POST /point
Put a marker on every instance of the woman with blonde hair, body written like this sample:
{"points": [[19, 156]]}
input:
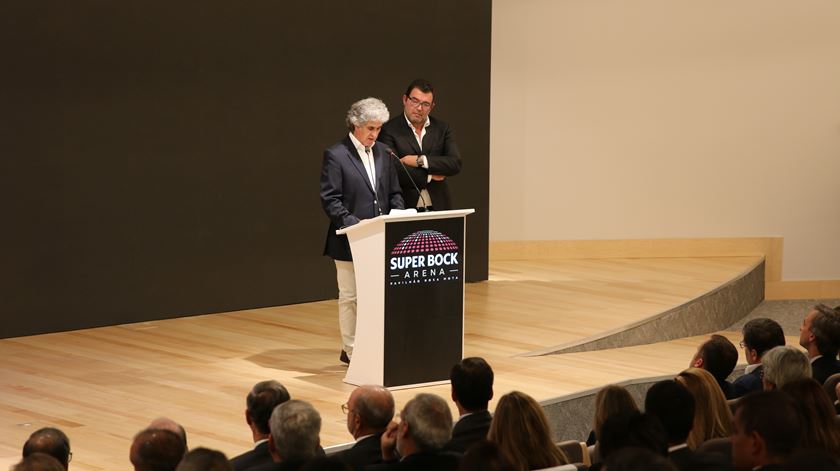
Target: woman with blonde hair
{"points": [[520, 429], [712, 415]]}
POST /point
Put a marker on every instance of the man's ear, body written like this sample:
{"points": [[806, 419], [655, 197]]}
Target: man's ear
{"points": [[698, 363], [403, 430], [757, 446], [248, 419]]}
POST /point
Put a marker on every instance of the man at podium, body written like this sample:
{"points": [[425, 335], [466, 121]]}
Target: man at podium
{"points": [[358, 182]]}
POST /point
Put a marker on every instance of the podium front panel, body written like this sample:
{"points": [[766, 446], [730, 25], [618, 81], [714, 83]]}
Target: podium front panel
{"points": [[424, 300]]}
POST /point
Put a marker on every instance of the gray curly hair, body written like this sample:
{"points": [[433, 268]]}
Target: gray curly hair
{"points": [[365, 111]]}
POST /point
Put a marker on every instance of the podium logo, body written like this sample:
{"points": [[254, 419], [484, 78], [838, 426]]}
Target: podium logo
{"points": [[424, 257]]}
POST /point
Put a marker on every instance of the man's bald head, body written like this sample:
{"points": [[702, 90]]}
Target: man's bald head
{"points": [[50, 441], [156, 450]]}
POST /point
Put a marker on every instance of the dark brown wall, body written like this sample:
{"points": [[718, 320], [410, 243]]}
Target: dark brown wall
{"points": [[161, 159]]}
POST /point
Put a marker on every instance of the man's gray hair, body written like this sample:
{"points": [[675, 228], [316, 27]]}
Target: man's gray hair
{"points": [[429, 421], [295, 426], [365, 111], [785, 364]]}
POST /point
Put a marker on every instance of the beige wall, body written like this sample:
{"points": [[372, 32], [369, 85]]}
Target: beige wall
{"points": [[669, 118]]}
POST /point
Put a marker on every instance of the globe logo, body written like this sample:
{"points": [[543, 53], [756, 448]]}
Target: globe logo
{"points": [[424, 257]]}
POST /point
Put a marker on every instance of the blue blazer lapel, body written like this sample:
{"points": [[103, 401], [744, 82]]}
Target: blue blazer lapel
{"points": [[356, 160]]}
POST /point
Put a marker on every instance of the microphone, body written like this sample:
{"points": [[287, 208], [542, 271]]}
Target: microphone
{"points": [[423, 200]]}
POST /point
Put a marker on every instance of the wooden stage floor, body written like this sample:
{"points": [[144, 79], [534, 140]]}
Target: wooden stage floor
{"points": [[103, 385]]}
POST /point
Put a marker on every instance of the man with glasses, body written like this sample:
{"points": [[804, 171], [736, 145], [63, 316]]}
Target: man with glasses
{"points": [[820, 336], [760, 335], [426, 147], [369, 410]]}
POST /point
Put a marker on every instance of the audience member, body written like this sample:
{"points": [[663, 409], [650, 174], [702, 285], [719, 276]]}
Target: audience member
{"points": [[38, 462], [156, 450], [472, 389], [816, 414], [521, 430], [811, 460], [485, 455], [259, 404], [760, 335], [637, 459], [165, 423], [369, 411], [820, 336], [673, 404], [631, 429], [718, 356], [712, 415], [609, 401], [50, 441], [418, 440], [783, 365], [295, 428], [326, 463], [204, 459], [765, 431]]}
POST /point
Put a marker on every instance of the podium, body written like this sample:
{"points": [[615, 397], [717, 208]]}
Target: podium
{"points": [[409, 298]]}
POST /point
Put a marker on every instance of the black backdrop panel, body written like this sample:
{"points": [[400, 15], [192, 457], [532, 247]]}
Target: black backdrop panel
{"points": [[161, 159]]}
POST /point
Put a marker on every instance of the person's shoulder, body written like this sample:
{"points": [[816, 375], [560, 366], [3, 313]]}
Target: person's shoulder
{"points": [[435, 122], [396, 123], [339, 149]]}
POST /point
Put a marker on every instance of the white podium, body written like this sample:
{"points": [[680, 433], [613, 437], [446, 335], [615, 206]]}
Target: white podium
{"points": [[410, 297]]}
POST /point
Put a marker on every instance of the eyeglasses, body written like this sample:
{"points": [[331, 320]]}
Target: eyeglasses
{"points": [[422, 104], [345, 408], [742, 344]]}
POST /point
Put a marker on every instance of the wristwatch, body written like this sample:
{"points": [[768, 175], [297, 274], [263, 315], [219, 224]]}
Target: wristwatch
{"points": [[420, 159]]}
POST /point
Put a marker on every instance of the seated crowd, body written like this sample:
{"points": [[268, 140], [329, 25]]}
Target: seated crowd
{"points": [[776, 416]]}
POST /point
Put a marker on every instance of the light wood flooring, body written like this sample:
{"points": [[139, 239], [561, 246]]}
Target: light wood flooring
{"points": [[103, 385]]}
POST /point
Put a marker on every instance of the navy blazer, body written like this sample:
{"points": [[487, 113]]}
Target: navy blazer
{"points": [[469, 430], [823, 367], [259, 456], [748, 383], [347, 195], [441, 153]]}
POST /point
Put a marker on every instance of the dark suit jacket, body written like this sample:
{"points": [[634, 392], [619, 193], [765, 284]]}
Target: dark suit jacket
{"points": [[688, 460], [748, 383], [469, 430], [365, 452], [256, 457], [442, 461], [682, 458], [823, 367], [726, 388], [441, 153], [282, 466], [347, 195]]}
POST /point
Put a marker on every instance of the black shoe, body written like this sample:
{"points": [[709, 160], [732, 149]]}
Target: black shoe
{"points": [[344, 358]]}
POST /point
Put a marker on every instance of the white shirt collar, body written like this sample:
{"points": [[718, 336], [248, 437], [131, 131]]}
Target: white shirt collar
{"points": [[815, 359], [750, 368], [411, 125], [677, 447], [359, 146]]}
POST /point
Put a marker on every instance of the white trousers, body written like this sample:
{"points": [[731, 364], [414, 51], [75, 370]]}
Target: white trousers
{"points": [[346, 276]]}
